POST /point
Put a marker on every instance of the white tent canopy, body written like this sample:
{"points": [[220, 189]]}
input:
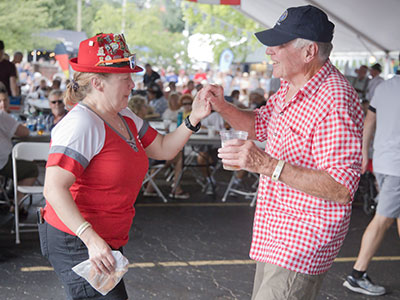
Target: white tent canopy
{"points": [[360, 25]]}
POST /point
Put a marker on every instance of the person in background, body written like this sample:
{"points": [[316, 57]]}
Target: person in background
{"points": [[17, 59], [56, 84], [156, 98], [172, 86], [150, 76], [138, 105], [171, 113], [375, 72], [256, 98], [190, 88], [43, 89], [27, 171], [310, 169], [97, 162], [185, 102], [234, 97], [381, 126], [8, 74], [207, 155], [198, 87], [360, 82], [57, 109]]}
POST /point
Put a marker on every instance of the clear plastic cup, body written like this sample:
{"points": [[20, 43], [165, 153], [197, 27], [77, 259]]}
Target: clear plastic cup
{"points": [[232, 134]]}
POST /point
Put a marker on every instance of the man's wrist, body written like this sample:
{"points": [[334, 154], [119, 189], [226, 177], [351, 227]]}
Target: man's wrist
{"points": [[276, 173]]}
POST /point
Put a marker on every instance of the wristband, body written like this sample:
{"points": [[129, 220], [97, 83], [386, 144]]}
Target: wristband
{"points": [[82, 228], [190, 126], [277, 171]]}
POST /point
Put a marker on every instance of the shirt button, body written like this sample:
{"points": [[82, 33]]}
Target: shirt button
{"points": [[275, 134], [281, 113]]}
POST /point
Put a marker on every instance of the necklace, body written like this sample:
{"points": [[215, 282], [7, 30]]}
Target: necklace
{"points": [[120, 124]]}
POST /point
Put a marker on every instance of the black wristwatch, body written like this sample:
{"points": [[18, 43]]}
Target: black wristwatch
{"points": [[190, 126]]}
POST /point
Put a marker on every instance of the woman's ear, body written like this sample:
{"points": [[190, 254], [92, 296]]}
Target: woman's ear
{"points": [[97, 83]]}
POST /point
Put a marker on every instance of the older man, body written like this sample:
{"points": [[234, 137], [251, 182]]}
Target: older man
{"points": [[57, 108], [311, 164]]}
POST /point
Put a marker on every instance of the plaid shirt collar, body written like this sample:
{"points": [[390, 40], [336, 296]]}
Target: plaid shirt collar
{"points": [[310, 88]]}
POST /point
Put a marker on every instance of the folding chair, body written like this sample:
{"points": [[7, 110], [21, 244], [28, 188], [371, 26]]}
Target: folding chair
{"points": [[29, 152], [6, 199], [248, 194], [150, 178]]}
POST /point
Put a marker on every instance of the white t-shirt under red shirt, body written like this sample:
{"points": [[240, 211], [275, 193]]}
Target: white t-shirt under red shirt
{"points": [[109, 170]]}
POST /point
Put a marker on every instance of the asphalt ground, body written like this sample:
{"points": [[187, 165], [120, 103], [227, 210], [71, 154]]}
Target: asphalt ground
{"points": [[192, 249]]}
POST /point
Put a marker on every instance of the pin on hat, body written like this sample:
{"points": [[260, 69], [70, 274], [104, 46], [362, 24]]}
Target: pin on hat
{"points": [[105, 53], [307, 22]]}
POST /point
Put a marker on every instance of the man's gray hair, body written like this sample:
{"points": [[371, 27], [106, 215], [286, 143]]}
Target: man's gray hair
{"points": [[324, 49], [58, 93]]}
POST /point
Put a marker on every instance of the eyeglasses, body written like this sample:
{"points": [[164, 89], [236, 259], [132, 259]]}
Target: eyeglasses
{"points": [[187, 103], [131, 59], [56, 102]]}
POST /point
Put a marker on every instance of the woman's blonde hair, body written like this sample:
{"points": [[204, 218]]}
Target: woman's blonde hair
{"points": [[79, 87]]}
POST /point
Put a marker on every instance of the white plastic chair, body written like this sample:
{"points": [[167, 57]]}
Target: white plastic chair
{"points": [[247, 194], [150, 176], [29, 152]]}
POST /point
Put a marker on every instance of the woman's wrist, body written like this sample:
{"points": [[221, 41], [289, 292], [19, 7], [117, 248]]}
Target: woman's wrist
{"points": [[193, 120]]}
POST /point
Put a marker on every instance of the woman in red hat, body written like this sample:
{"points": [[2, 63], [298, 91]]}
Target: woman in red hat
{"points": [[97, 161]]}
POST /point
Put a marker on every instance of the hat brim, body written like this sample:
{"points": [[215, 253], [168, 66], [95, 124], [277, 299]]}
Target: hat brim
{"points": [[274, 37], [101, 69]]}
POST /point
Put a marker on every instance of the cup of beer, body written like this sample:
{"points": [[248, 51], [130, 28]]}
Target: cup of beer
{"points": [[232, 134]]}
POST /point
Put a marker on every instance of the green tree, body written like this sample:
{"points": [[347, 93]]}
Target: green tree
{"points": [[145, 33], [171, 16], [223, 19], [62, 14], [19, 20]]}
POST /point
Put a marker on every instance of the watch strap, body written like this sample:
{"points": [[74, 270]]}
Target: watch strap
{"points": [[277, 171], [190, 126]]}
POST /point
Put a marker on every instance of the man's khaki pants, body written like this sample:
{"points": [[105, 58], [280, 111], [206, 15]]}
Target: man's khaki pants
{"points": [[272, 282]]}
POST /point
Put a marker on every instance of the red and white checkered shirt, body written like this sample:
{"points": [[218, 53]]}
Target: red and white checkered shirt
{"points": [[319, 128]]}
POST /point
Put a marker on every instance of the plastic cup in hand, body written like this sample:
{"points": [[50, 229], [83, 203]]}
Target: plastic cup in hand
{"points": [[232, 134]]}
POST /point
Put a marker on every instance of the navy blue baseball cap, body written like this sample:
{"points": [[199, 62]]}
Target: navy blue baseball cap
{"points": [[306, 22]]}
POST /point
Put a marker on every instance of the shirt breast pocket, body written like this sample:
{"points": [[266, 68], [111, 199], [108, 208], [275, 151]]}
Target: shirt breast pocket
{"points": [[293, 146]]}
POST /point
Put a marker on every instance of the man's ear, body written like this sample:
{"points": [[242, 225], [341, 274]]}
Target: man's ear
{"points": [[310, 52], [97, 83]]}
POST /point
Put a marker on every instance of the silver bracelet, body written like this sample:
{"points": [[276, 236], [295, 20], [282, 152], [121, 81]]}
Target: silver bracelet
{"points": [[85, 225]]}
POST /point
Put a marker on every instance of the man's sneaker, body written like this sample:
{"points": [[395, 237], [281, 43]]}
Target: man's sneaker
{"points": [[364, 285]]}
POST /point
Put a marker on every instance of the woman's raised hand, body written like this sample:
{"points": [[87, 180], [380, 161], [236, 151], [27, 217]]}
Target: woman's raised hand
{"points": [[201, 106]]}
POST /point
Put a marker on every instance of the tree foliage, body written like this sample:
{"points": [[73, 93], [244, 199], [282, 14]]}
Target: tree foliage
{"points": [[19, 20], [145, 33], [223, 19], [153, 29]]}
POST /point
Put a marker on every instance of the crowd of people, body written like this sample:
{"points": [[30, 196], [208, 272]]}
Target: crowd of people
{"points": [[312, 122]]}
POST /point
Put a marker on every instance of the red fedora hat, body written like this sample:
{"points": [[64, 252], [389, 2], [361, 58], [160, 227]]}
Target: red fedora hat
{"points": [[105, 53]]}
